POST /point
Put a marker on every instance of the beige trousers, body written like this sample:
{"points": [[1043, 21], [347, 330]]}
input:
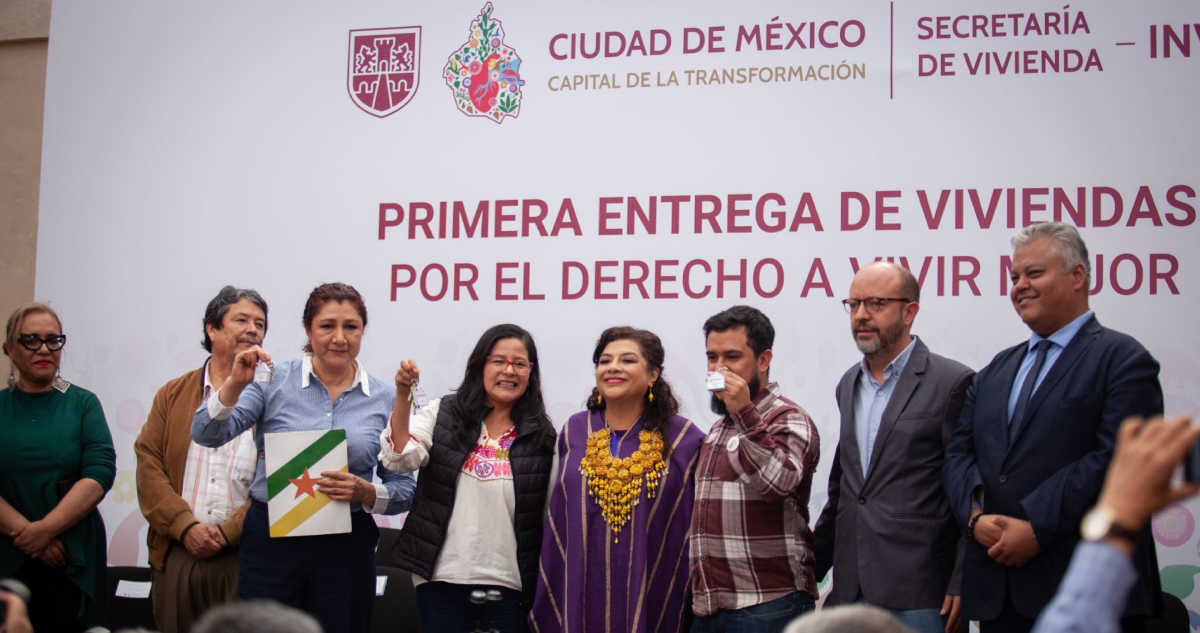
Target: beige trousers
{"points": [[188, 586]]}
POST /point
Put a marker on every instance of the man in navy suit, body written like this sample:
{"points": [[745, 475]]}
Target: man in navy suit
{"points": [[1036, 436]]}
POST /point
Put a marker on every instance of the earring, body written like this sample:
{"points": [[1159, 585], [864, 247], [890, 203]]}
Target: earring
{"points": [[59, 384], [650, 394], [12, 378], [599, 399]]}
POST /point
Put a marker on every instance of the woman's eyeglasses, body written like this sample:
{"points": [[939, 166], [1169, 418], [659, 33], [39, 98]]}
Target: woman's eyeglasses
{"points": [[33, 342], [520, 366]]}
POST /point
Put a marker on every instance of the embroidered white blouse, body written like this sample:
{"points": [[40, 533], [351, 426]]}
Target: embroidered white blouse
{"points": [[481, 544]]}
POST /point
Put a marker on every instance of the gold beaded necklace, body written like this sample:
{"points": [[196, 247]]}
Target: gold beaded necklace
{"points": [[615, 483]]}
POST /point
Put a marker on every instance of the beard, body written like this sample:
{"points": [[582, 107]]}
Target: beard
{"points": [[884, 340], [718, 406]]}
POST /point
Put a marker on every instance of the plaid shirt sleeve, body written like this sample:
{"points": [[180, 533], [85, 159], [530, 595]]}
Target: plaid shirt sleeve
{"points": [[751, 541], [775, 457]]}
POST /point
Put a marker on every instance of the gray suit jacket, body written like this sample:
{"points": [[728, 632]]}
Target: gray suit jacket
{"points": [[892, 537]]}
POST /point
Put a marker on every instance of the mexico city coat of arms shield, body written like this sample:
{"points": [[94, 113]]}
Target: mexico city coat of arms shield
{"points": [[384, 69]]}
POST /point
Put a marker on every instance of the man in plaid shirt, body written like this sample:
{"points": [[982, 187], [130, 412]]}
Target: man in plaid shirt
{"points": [[752, 549]]}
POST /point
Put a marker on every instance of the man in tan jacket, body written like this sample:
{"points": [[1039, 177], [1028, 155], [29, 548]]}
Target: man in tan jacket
{"points": [[195, 497]]}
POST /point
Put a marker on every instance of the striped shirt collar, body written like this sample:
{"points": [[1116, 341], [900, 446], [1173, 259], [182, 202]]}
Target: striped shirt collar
{"points": [[764, 397], [360, 375], [207, 386]]}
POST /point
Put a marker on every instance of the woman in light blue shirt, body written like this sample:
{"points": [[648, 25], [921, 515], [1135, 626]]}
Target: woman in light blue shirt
{"points": [[331, 576]]}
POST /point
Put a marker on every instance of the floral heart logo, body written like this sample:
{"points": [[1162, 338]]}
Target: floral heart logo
{"points": [[485, 74]]}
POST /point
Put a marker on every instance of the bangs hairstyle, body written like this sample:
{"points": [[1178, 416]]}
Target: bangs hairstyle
{"points": [[18, 319], [336, 292], [664, 405], [470, 399]]}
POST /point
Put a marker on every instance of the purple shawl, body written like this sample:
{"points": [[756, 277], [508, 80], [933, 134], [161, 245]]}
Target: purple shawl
{"points": [[586, 582]]}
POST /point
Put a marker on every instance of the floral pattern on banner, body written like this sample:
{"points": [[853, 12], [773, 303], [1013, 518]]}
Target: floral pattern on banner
{"points": [[484, 74], [1173, 526], [489, 459], [124, 489]]}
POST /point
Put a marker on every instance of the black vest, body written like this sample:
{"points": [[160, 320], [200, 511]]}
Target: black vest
{"points": [[424, 532]]}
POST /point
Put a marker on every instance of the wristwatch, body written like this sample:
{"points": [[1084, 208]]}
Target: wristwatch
{"points": [[1101, 523]]}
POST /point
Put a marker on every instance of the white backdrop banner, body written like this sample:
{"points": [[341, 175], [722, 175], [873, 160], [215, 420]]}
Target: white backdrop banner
{"points": [[572, 166]]}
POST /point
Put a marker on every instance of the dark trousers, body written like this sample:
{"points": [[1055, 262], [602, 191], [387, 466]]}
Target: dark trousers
{"points": [[444, 607], [54, 602], [768, 617], [1009, 621], [331, 577]]}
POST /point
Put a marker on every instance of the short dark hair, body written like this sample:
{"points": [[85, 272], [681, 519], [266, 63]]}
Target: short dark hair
{"points": [[214, 314], [336, 292], [470, 398], [664, 405], [760, 334]]}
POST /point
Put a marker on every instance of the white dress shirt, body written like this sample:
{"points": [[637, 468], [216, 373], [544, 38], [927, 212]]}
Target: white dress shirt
{"points": [[216, 481]]}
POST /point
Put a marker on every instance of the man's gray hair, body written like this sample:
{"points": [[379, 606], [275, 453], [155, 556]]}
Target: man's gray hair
{"points": [[256, 617], [214, 314], [1068, 244], [854, 618]]}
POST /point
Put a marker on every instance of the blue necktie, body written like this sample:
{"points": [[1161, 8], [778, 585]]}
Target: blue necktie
{"points": [[1018, 417]]}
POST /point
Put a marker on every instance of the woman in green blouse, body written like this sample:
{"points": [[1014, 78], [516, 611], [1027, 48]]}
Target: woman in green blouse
{"points": [[56, 464]]}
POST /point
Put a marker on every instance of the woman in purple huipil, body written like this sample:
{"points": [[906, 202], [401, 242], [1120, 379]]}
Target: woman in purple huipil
{"points": [[614, 551]]}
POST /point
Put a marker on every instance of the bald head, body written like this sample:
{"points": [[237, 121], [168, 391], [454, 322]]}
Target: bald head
{"points": [[907, 286], [882, 305]]}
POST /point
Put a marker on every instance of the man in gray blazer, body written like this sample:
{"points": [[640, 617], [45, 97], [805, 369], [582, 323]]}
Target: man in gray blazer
{"points": [[887, 528]]}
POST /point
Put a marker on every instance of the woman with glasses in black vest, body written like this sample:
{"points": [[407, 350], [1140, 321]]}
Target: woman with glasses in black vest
{"points": [[485, 455]]}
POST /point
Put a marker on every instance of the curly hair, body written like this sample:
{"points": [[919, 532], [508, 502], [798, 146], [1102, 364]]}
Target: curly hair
{"points": [[665, 404]]}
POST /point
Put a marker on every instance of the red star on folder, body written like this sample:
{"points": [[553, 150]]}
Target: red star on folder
{"points": [[305, 485]]}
